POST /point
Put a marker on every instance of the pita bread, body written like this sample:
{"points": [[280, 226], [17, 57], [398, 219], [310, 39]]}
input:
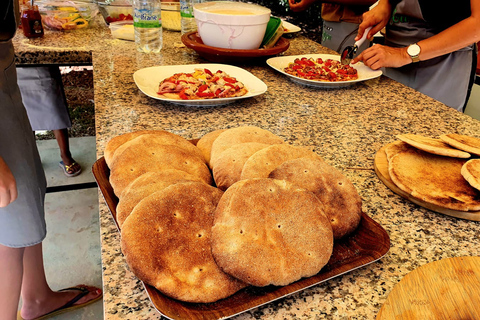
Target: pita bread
{"points": [[229, 165], [144, 186], [155, 139], [433, 179], [396, 147], [471, 172], [166, 243], [342, 204], [261, 163], [260, 235], [117, 141], [463, 142], [205, 144], [238, 135], [141, 158], [431, 145]]}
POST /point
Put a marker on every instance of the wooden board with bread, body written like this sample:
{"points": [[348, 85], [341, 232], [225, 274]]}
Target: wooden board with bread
{"points": [[432, 174], [205, 252]]}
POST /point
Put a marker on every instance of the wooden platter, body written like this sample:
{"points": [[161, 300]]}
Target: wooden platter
{"points": [[445, 289], [381, 169], [367, 244], [193, 41]]}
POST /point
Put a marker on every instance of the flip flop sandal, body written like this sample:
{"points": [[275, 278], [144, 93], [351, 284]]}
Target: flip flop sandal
{"points": [[66, 168], [69, 306]]}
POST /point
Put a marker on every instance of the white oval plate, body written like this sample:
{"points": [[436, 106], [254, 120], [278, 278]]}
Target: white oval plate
{"points": [[148, 79], [364, 72], [290, 28]]}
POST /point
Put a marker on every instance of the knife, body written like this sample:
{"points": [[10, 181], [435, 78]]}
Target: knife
{"points": [[349, 52]]}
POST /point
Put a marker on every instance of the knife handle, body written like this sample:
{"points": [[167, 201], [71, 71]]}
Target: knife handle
{"points": [[362, 40]]}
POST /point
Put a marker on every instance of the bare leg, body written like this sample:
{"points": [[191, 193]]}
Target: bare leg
{"points": [[38, 299], [62, 139], [11, 270]]}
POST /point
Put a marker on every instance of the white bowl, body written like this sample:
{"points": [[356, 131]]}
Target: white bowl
{"points": [[231, 25]]}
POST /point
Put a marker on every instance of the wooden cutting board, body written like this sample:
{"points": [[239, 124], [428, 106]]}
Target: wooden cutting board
{"points": [[381, 169], [447, 289]]}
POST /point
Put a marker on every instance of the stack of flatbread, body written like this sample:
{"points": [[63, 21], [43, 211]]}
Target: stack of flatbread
{"points": [[241, 207], [444, 172]]}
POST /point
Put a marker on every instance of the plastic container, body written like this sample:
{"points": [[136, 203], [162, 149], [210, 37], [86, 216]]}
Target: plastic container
{"points": [[67, 15], [187, 15], [231, 25], [273, 33], [147, 23], [171, 18], [116, 11], [123, 30]]}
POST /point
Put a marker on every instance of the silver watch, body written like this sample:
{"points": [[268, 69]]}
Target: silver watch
{"points": [[413, 51]]}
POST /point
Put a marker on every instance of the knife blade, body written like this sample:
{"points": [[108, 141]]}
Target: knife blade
{"points": [[350, 51]]}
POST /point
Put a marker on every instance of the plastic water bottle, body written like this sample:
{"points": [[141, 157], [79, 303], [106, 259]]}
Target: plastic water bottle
{"points": [[147, 22], [186, 12]]}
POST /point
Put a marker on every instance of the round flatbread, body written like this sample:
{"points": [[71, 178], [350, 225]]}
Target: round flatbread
{"points": [[229, 165], [238, 135], [471, 172], [205, 144], [141, 158], [463, 142], [146, 185], [341, 202], [431, 145], [117, 141], [433, 179], [261, 163], [269, 231], [166, 243], [155, 139], [395, 147]]}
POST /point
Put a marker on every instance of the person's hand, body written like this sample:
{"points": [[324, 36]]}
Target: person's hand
{"points": [[300, 5], [379, 56], [377, 18], [8, 186]]}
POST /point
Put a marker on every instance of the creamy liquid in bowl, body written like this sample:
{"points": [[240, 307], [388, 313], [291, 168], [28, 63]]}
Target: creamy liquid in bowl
{"points": [[231, 12]]}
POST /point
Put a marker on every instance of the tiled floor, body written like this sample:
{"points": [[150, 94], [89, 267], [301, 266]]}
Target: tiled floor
{"points": [[72, 246]]}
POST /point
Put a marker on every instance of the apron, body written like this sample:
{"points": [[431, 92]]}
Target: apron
{"points": [[22, 223], [447, 78], [44, 98]]}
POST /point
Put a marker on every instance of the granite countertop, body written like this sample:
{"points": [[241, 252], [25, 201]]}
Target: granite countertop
{"points": [[347, 126]]}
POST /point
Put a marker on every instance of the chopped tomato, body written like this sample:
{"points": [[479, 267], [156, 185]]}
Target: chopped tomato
{"points": [[208, 72], [182, 95], [230, 80]]}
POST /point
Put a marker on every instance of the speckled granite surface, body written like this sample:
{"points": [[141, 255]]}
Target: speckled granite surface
{"points": [[347, 126]]}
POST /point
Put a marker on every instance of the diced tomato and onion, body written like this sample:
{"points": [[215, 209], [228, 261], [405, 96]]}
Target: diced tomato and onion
{"points": [[320, 70]]}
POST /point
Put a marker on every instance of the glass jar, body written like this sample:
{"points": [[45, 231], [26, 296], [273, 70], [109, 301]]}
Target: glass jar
{"points": [[171, 15], [32, 22]]}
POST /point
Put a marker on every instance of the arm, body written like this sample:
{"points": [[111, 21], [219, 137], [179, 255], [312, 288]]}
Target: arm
{"points": [[8, 186], [451, 39], [300, 5]]}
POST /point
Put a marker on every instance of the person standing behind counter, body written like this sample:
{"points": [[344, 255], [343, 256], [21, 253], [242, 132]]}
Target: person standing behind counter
{"points": [[429, 46], [340, 21], [44, 99]]}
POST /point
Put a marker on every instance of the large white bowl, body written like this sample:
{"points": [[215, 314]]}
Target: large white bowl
{"points": [[231, 25]]}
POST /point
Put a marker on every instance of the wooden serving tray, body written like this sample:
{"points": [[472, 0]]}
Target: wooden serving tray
{"points": [[381, 169], [445, 289], [367, 244]]}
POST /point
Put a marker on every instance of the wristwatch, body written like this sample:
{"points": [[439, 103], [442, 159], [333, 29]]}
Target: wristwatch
{"points": [[413, 51]]}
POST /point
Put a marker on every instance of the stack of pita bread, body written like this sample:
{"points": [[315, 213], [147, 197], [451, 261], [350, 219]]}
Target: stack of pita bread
{"points": [[241, 207], [444, 172]]}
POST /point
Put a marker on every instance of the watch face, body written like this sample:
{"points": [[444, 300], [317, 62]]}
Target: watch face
{"points": [[413, 50]]}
